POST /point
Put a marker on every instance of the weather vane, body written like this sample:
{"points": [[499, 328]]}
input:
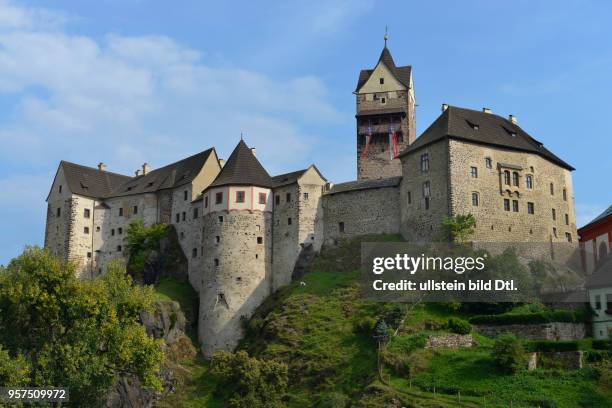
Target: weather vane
{"points": [[386, 35]]}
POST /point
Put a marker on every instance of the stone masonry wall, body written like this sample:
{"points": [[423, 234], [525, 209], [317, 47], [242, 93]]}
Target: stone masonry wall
{"points": [[285, 239], [548, 331], [371, 211]]}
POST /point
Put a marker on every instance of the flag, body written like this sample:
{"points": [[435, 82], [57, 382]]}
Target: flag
{"points": [[393, 145], [368, 137]]}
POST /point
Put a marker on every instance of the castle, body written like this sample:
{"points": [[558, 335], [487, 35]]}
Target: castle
{"points": [[242, 230]]}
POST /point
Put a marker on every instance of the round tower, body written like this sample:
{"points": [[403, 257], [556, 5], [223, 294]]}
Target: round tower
{"points": [[236, 242]]}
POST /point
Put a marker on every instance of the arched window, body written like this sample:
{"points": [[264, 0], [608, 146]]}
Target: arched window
{"points": [[475, 200], [515, 178], [507, 177], [529, 182]]}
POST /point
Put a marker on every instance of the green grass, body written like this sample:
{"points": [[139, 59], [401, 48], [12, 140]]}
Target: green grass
{"points": [[170, 289]]}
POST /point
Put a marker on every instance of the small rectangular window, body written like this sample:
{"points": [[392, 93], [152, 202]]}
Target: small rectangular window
{"points": [[489, 162], [219, 197], [113, 232], [381, 81], [121, 211], [305, 196], [220, 218], [119, 249], [184, 215], [552, 189], [217, 239], [554, 214], [86, 230], [555, 232], [530, 208], [262, 198], [185, 194], [194, 252], [409, 197], [59, 212], [178, 217], [341, 226], [260, 240], [86, 213], [474, 172], [277, 200], [515, 205], [597, 302], [427, 203], [240, 196], [425, 162], [568, 236], [89, 255], [206, 202], [60, 189], [288, 197], [506, 204], [135, 210], [566, 219], [564, 194], [216, 262], [195, 213], [97, 228], [289, 221], [475, 199]]}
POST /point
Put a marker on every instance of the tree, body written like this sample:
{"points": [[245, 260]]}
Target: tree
{"points": [[509, 354], [78, 334], [459, 228], [248, 382], [381, 331]]}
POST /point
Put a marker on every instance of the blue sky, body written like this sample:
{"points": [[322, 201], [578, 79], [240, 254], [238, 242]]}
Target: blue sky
{"points": [[128, 81]]}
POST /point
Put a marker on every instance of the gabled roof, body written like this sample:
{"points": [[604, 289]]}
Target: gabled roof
{"points": [[607, 213], [242, 168], [402, 74], [170, 176], [364, 185], [293, 177], [483, 128], [89, 181], [95, 183]]}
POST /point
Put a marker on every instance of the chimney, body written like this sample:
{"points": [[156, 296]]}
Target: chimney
{"points": [[487, 110], [254, 151], [221, 162], [145, 168], [137, 172], [512, 119], [101, 166], [444, 107]]}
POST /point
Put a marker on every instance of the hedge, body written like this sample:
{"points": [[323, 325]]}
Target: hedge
{"points": [[602, 344], [549, 316], [551, 346]]}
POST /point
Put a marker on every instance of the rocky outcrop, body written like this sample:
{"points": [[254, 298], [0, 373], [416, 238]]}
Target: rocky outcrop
{"points": [[166, 322]]}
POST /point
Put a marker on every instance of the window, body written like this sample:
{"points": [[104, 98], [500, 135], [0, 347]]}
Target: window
{"points": [[206, 202], [121, 212], [218, 198], [260, 240], [113, 232], [184, 215], [60, 189], [59, 212], [507, 177], [194, 252], [609, 301], [598, 302], [474, 172], [381, 81], [119, 248], [305, 196], [135, 210], [86, 230], [515, 205], [427, 203], [195, 213], [488, 162], [240, 196], [564, 194], [425, 162], [288, 197], [289, 221], [566, 219], [89, 255], [220, 218], [120, 231], [217, 239], [568, 236], [262, 198], [383, 100], [98, 228], [341, 226], [409, 197], [515, 178], [555, 232], [216, 262], [185, 195], [475, 199], [529, 182], [530, 208], [86, 213], [277, 199], [552, 189], [426, 189], [506, 204], [178, 217], [554, 214]]}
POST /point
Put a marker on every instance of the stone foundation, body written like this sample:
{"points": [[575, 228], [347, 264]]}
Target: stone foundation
{"points": [[547, 331]]}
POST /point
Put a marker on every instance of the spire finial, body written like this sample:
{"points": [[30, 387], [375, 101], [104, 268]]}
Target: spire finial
{"points": [[386, 35], [241, 136]]}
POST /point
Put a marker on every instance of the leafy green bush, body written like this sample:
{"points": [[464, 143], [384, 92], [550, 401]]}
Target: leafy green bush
{"points": [[565, 316], [508, 354], [246, 382], [594, 356], [458, 326], [365, 325], [602, 345], [333, 400], [551, 346], [140, 240]]}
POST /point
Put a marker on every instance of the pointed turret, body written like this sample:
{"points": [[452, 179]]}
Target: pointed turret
{"points": [[242, 169]]}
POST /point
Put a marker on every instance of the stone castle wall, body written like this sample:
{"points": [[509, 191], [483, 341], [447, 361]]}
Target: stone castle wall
{"points": [[362, 212], [557, 331], [285, 238]]}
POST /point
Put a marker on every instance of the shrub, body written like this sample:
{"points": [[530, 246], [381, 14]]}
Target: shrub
{"points": [[458, 326], [381, 331], [365, 325], [552, 346], [333, 400], [508, 353], [602, 345]]}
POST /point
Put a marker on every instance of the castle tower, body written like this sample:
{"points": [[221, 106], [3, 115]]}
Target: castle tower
{"points": [[236, 244], [385, 117]]}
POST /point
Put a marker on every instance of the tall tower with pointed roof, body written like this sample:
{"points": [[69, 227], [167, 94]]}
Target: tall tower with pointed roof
{"points": [[385, 117]]}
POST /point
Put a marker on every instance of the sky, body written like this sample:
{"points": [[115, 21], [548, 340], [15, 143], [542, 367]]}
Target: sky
{"points": [[132, 81]]}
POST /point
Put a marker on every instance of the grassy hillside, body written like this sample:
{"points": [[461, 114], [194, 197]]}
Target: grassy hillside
{"points": [[323, 332]]}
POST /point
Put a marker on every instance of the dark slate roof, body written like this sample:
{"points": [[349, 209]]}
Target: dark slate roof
{"points": [[89, 181], [170, 176], [364, 185], [493, 130], [602, 276], [607, 213], [243, 168], [402, 74], [290, 178]]}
